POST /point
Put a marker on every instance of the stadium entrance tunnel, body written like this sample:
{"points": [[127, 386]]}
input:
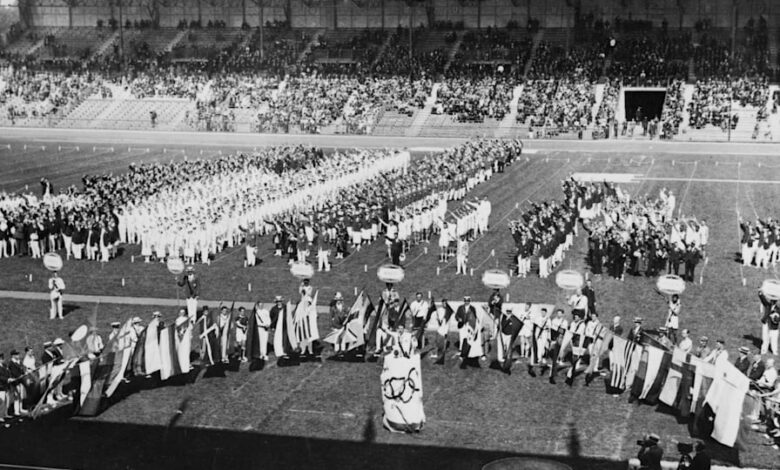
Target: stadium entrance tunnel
{"points": [[644, 103]]}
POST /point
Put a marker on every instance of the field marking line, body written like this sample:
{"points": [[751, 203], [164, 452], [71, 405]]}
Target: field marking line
{"points": [[710, 180], [345, 414], [253, 375], [687, 187], [289, 396]]}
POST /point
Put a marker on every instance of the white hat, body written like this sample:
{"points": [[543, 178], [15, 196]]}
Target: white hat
{"points": [[338, 296], [58, 342]]}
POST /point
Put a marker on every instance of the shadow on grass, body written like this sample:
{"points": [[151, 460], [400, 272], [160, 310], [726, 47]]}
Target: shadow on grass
{"points": [[67, 309], [123, 446], [754, 340]]}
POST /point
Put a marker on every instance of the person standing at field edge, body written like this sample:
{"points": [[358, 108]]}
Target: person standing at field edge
{"points": [[191, 285], [56, 287]]}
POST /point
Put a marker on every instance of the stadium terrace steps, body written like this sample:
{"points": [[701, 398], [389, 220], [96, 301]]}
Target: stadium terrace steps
{"points": [[176, 40], [534, 46], [688, 91], [128, 114], [443, 125], [394, 123], [309, 45], [598, 93], [506, 124], [106, 45], [382, 49], [76, 40], [422, 116], [453, 51]]}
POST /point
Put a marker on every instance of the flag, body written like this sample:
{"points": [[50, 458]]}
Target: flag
{"points": [[306, 320], [352, 334], [138, 362], [652, 369], [183, 344], [701, 383], [653, 392], [683, 400], [90, 404], [57, 375], [252, 336], [210, 344], [285, 342], [402, 393], [725, 398], [623, 358], [85, 370], [374, 325], [639, 377], [117, 374], [152, 347], [674, 375], [169, 357]]}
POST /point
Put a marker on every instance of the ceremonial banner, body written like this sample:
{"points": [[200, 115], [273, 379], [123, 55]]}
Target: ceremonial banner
{"points": [[701, 382], [138, 362], [183, 346], [85, 370], [726, 397], [623, 357], [285, 342], [673, 377], [653, 389], [169, 357], [90, 405], [152, 347], [352, 334], [376, 320], [402, 393], [118, 370], [655, 358], [305, 320]]}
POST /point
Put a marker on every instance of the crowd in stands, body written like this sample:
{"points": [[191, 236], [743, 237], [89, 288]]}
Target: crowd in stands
{"points": [[606, 123], [472, 100], [26, 94], [651, 61], [673, 111], [309, 96]]}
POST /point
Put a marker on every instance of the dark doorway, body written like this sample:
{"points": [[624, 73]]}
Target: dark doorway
{"points": [[644, 104]]}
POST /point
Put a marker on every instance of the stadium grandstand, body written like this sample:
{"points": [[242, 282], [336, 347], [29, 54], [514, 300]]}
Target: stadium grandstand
{"points": [[661, 69]]}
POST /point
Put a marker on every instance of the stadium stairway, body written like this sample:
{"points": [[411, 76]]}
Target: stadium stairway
{"points": [[688, 91], [537, 40], [106, 45], [35, 48], [381, 52], [773, 119], [598, 92], [315, 38], [506, 124], [422, 115], [453, 52], [176, 40]]}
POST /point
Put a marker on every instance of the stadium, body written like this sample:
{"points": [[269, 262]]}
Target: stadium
{"points": [[548, 224]]}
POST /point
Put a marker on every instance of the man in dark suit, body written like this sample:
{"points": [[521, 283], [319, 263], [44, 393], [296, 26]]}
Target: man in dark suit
{"points": [[650, 454], [588, 292], [756, 369], [702, 460], [466, 316], [636, 332], [743, 361], [191, 285]]}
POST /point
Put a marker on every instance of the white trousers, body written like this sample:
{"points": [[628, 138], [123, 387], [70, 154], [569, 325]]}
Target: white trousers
{"points": [[192, 308], [262, 334], [461, 261], [56, 308]]}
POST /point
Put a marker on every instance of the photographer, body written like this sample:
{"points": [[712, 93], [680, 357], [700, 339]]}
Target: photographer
{"points": [[650, 453]]}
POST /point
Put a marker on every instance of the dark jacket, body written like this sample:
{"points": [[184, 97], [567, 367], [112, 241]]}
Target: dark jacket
{"points": [[702, 461], [650, 457]]}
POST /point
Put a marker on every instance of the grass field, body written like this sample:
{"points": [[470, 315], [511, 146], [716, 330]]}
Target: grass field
{"points": [[333, 409]]}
